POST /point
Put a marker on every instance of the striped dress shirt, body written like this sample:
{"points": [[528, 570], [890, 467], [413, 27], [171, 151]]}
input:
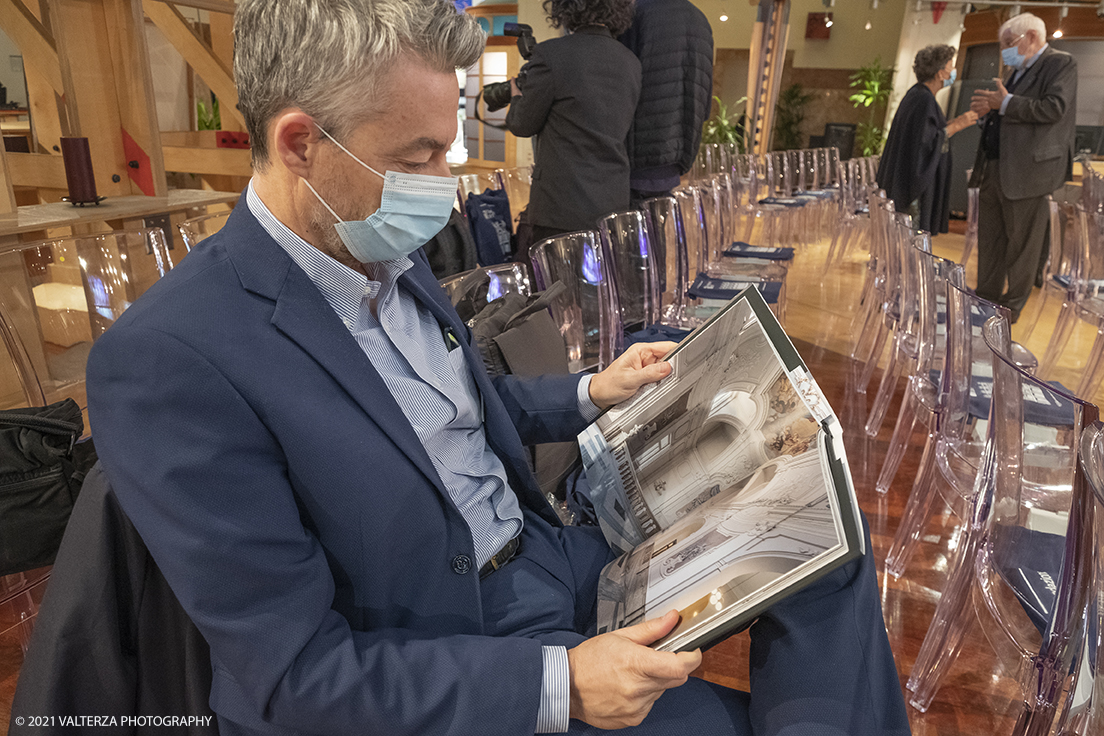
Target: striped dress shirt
{"points": [[434, 387]]}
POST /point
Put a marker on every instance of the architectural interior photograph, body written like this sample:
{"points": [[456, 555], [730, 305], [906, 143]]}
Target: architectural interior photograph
{"points": [[417, 367]]}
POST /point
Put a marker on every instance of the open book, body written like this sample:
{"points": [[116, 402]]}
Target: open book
{"points": [[725, 486]]}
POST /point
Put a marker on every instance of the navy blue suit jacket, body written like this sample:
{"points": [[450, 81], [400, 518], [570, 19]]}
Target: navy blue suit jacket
{"points": [[293, 509]]}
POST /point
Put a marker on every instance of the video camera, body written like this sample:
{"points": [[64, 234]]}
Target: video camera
{"points": [[497, 95]]}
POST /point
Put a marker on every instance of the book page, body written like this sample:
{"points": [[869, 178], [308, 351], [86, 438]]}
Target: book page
{"points": [[727, 408]]}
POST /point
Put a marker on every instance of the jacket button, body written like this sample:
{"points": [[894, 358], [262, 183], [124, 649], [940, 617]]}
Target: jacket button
{"points": [[461, 564]]}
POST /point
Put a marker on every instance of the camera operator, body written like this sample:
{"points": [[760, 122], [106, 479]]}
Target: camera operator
{"points": [[578, 96]]}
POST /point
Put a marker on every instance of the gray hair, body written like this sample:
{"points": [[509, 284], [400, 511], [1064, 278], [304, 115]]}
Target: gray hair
{"points": [[325, 57], [1021, 24]]}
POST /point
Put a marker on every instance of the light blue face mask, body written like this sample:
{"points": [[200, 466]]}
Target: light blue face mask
{"points": [[951, 79], [414, 208], [1012, 57]]}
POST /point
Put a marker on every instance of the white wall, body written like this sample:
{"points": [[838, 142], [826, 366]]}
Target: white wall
{"points": [[917, 31]]}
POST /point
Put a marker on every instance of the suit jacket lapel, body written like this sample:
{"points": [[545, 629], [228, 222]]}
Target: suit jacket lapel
{"points": [[304, 315]]}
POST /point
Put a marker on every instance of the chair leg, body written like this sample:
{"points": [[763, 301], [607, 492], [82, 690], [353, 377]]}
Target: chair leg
{"points": [[953, 619], [878, 347], [1030, 328], [1058, 339], [902, 433], [1091, 375], [917, 509], [886, 388]]}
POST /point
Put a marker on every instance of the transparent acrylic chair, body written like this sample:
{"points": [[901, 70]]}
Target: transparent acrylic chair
{"points": [[933, 277], [711, 270], [972, 195], [1023, 563], [587, 313], [1083, 712], [903, 317], [517, 183], [1085, 301], [955, 414], [629, 250], [193, 230], [669, 248], [1062, 259], [472, 290], [59, 295], [853, 219]]}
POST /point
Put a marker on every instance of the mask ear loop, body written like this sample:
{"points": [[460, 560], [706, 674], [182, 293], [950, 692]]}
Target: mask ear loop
{"points": [[319, 197], [347, 151]]}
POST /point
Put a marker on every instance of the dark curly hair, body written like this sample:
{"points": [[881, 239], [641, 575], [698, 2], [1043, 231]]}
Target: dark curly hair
{"points": [[616, 15], [930, 60]]}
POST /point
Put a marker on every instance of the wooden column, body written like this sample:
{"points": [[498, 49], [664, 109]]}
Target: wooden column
{"points": [[109, 93], [768, 56]]}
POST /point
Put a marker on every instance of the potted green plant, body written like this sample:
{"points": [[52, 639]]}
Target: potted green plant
{"points": [[873, 86], [789, 113], [719, 128]]}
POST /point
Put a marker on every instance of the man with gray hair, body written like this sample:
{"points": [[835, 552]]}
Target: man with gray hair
{"points": [[1025, 153], [298, 426]]}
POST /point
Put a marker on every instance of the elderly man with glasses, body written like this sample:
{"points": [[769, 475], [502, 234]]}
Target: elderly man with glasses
{"points": [[1026, 152]]}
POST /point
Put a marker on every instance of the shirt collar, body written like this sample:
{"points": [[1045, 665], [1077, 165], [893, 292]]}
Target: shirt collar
{"points": [[343, 287]]}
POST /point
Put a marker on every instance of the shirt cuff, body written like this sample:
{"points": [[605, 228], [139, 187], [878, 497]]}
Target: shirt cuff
{"points": [[555, 702], [1004, 102], [587, 408]]}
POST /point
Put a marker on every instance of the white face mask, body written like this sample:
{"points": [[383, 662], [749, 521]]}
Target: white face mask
{"points": [[414, 208]]}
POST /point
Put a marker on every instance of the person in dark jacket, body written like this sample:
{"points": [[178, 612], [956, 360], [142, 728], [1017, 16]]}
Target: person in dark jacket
{"points": [[915, 168], [577, 95], [674, 43]]}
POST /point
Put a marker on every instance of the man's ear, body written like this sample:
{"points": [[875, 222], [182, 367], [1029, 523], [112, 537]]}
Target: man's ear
{"points": [[295, 141]]}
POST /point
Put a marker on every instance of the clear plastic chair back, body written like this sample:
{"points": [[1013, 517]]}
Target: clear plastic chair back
{"points": [[587, 312]]}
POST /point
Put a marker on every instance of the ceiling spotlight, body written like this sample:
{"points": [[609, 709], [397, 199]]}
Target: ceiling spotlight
{"points": [[867, 26], [919, 5], [874, 4], [724, 18], [1016, 10], [1057, 33], [827, 22]]}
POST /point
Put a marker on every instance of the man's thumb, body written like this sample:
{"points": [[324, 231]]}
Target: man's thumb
{"points": [[649, 631]]}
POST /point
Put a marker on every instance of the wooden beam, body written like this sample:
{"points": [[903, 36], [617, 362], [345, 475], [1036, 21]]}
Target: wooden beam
{"points": [[222, 44], [38, 170], [197, 55], [215, 6], [126, 34], [229, 161], [33, 40], [7, 194]]}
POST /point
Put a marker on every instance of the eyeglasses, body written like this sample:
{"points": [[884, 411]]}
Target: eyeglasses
{"points": [[1014, 42]]}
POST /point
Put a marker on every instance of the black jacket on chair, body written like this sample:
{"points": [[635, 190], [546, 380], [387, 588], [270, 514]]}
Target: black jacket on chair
{"points": [[578, 96], [111, 639]]}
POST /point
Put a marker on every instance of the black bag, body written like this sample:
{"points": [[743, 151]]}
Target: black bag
{"points": [[452, 250], [515, 334], [41, 471]]}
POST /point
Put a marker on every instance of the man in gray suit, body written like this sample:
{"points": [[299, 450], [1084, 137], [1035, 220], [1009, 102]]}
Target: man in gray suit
{"points": [[1026, 152]]}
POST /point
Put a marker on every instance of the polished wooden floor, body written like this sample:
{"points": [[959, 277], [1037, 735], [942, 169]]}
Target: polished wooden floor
{"points": [[978, 697]]}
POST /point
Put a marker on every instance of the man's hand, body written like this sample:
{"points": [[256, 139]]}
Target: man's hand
{"points": [[639, 365], [985, 100], [616, 677]]}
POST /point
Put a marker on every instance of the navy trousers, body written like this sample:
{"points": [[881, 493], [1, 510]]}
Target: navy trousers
{"points": [[820, 660]]}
